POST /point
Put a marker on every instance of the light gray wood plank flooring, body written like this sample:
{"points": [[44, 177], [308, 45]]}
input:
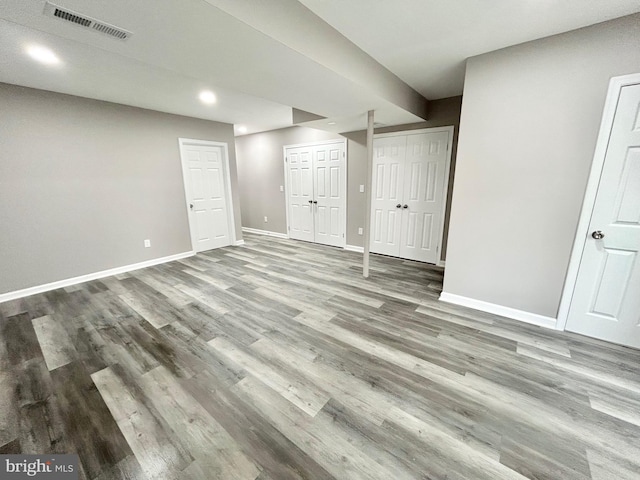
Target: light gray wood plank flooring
{"points": [[278, 360]]}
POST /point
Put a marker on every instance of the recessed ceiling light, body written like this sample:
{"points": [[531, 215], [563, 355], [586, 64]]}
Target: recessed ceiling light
{"points": [[43, 55], [208, 97], [332, 123], [242, 129]]}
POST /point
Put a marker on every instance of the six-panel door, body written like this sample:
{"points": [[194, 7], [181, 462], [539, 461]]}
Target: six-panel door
{"points": [[408, 195], [316, 193], [209, 221], [606, 299], [300, 173]]}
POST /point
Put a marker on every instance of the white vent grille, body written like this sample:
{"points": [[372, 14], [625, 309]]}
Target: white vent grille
{"points": [[84, 21]]}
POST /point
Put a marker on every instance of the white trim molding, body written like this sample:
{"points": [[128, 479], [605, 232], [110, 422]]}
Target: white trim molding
{"points": [[5, 297], [582, 231], [265, 232], [238, 243], [515, 314], [354, 248]]}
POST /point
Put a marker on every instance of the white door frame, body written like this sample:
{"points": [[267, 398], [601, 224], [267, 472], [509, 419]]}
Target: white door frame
{"points": [[608, 115], [343, 182], [447, 172], [182, 143]]}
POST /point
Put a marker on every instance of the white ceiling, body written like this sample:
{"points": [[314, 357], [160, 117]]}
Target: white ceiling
{"points": [[426, 42], [259, 68]]}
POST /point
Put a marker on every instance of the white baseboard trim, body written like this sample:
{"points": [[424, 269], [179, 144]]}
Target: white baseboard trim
{"points": [[5, 297], [354, 248], [521, 315], [265, 232], [238, 243]]}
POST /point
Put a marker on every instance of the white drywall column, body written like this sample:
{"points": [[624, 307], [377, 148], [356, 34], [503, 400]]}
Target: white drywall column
{"points": [[367, 212]]}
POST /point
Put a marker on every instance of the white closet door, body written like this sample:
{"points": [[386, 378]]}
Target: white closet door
{"points": [[300, 194], [386, 195], [329, 188], [606, 298], [424, 182]]}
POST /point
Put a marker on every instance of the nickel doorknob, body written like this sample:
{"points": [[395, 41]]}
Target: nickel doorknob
{"points": [[598, 235]]}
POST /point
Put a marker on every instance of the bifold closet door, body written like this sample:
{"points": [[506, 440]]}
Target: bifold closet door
{"points": [[300, 183], [328, 194], [424, 182], [386, 200], [407, 195], [316, 190]]}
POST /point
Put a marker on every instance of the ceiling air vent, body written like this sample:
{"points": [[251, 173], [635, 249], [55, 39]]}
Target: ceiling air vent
{"points": [[84, 21]]}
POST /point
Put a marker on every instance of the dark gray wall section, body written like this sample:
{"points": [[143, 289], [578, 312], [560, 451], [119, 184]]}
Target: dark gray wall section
{"points": [[530, 119], [84, 182]]}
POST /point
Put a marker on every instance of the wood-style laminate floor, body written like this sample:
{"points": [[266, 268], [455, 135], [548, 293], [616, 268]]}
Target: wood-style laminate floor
{"points": [[277, 360]]}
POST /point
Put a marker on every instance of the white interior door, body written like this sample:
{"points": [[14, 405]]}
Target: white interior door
{"points": [[329, 188], [300, 193], [409, 181], [387, 194], [606, 298], [205, 178], [424, 182], [316, 192]]}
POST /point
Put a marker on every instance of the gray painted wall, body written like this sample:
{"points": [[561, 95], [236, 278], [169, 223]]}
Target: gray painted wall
{"points": [[261, 169], [530, 118], [84, 182], [261, 173]]}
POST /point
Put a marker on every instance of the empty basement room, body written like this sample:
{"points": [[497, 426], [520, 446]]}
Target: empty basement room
{"points": [[319, 239]]}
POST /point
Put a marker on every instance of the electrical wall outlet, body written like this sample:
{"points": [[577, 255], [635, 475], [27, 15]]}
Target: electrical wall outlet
{"points": [[147, 243], [281, 188], [265, 220], [360, 231], [361, 188]]}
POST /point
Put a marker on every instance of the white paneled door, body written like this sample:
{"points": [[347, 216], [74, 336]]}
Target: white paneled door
{"points": [[316, 192], [300, 193], [408, 194], [606, 298], [206, 187]]}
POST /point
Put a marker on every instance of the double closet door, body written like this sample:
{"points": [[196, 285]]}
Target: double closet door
{"points": [[409, 193], [316, 192]]}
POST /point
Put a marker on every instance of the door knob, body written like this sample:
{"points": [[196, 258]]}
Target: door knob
{"points": [[405, 206], [191, 206], [310, 201], [398, 206], [598, 235], [315, 201]]}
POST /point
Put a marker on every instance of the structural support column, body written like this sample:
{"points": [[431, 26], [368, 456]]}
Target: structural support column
{"points": [[367, 218]]}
